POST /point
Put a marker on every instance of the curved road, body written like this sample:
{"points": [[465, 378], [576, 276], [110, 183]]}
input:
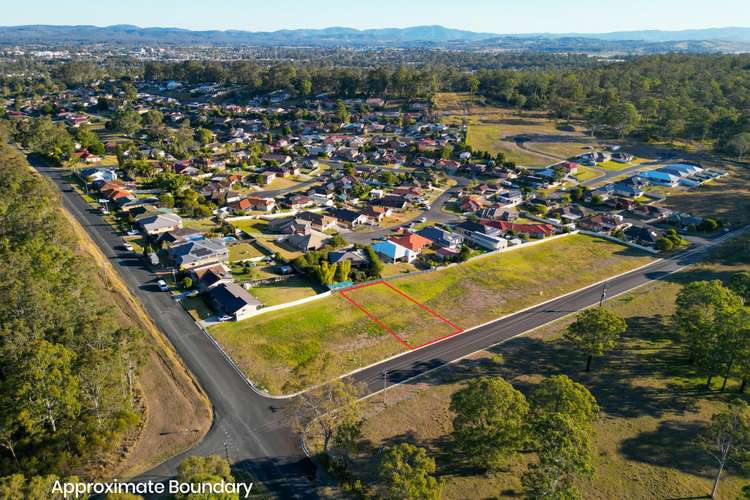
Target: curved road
{"points": [[250, 427]]}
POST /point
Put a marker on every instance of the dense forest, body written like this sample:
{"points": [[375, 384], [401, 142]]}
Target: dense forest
{"points": [[67, 367]]}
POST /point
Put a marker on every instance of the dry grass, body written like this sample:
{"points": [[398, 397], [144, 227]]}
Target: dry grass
{"points": [[652, 406]]}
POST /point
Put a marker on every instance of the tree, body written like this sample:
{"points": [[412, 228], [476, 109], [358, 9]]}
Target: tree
{"points": [[322, 411], [407, 472], [376, 265], [45, 387], [739, 283], [559, 394], [741, 144], [727, 438], [343, 270], [622, 116], [127, 121], [595, 331], [488, 426], [211, 469], [703, 308], [564, 452]]}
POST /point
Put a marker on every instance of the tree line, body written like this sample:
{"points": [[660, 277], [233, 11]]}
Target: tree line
{"points": [[68, 369]]}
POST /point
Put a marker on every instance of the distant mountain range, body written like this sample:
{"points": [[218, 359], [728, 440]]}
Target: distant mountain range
{"points": [[702, 40]]}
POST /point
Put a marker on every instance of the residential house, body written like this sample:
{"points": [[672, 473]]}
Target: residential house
{"points": [[357, 257], [601, 223], [310, 239], [234, 300], [391, 251], [413, 241], [376, 213], [320, 222], [262, 204], [348, 218], [641, 235], [194, 253], [160, 223], [210, 276], [442, 238]]}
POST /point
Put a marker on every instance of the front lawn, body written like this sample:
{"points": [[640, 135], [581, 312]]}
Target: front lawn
{"points": [[244, 251], [295, 288]]}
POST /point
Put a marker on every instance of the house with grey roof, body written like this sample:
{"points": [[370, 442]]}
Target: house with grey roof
{"points": [[160, 223], [194, 253], [233, 300]]}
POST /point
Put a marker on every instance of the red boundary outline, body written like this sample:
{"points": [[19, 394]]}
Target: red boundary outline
{"points": [[385, 327]]}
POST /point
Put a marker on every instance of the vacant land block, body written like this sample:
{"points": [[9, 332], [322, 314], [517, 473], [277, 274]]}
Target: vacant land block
{"points": [[314, 342], [413, 325]]}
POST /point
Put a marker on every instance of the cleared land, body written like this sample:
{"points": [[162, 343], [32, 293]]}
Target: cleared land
{"points": [[414, 324], [652, 404], [289, 290], [299, 346]]}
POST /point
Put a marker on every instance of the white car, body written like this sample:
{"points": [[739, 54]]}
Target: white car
{"points": [[423, 219], [128, 247], [162, 285], [225, 317], [132, 232]]}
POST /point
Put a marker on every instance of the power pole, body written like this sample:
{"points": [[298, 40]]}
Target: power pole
{"points": [[604, 294]]}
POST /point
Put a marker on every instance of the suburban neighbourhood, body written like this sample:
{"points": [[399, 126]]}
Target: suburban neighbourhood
{"points": [[406, 263]]}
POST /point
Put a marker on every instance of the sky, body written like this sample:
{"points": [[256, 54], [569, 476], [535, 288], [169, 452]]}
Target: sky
{"points": [[492, 16]]}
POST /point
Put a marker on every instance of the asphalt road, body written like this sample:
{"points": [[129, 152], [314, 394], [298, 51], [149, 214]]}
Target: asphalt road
{"points": [[249, 427]]}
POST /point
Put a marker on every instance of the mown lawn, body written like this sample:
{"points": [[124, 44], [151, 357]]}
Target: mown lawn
{"points": [[290, 290], [315, 342], [244, 251], [652, 404]]}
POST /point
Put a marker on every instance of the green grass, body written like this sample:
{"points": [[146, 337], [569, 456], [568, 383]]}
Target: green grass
{"points": [[290, 290], [206, 224], [251, 226], [652, 405], [244, 251], [345, 339]]}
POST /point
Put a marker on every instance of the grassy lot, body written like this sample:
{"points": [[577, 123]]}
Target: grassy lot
{"points": [[490, 287], [652, 405], [244, 251], [314, 342], [251, 226], [727, 198], [489, 137], [206, 224], [412, 324], [280, 183], [290, 290]]}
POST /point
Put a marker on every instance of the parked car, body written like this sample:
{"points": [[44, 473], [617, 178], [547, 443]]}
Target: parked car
{"points": [[132, 232], [225, 317], [162, 285], [128, 247], [423, 219]]}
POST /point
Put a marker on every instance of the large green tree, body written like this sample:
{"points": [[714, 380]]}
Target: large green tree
{"points": [[595, 331], [489, 422], [407, 472]]}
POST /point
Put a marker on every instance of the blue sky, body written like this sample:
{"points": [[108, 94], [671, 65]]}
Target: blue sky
{"points": [[495, 16]]}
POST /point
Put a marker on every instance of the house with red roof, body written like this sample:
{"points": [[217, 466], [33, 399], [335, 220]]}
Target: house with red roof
{"points": [[532, 230], [412, 241]]}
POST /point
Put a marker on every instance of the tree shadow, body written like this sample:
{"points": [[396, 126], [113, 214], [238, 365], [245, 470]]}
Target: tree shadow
{"points": [[672, 444]]}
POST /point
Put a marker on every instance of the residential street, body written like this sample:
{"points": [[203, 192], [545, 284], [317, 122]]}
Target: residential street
{"points": [[249, 427]]}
